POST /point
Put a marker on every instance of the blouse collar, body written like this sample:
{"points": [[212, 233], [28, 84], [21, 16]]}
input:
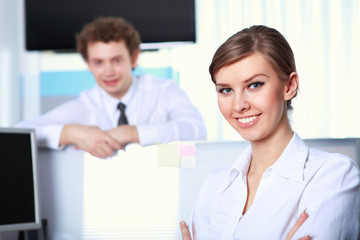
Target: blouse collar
{"points": [[290, 164]]}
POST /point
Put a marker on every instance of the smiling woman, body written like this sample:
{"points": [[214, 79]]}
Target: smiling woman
{"points": [[254, 92], [279, 187]]}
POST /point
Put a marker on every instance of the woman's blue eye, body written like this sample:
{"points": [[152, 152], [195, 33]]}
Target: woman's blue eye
{"points": [[225, 90], [256, 85]]}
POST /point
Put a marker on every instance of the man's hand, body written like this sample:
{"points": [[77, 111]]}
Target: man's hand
{"points": [[90, 139], [186, 233], [124, 134]]}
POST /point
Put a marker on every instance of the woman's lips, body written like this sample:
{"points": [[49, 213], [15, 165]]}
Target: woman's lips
{"points": [[248, 121]]}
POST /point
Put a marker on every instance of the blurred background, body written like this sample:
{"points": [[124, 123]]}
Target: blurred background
{"points": [[324, 35]]}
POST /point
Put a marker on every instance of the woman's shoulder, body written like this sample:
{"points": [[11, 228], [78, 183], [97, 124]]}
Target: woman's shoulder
{"points": [[219, 173], [330, 169], [324, 158], [216, 180]]}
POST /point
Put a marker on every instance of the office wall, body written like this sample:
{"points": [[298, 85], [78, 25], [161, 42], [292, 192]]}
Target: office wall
{"points": [[10, 103], [19, 69]]}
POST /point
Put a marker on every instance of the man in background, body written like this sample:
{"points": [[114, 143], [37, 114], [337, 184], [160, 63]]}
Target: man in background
{"points": [[121, 108]]}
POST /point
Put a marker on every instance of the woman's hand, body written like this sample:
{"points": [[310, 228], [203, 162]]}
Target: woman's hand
{"points": [[297, 225], [186, 233]]}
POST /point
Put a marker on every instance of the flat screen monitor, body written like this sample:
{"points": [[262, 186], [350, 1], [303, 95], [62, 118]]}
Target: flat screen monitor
{"points": [[19, 195], [52, 25]]}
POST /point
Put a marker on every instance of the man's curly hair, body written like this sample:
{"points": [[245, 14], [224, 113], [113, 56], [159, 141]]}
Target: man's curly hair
{"points": [[107, 29]]}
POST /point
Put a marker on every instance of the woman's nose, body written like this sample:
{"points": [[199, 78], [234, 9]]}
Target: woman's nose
{"points": [[240, 103]]}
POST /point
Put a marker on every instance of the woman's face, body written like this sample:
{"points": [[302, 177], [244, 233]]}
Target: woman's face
{"points": [[252, 98]]}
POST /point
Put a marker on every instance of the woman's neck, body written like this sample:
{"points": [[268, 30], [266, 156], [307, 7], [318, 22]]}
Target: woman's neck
{"points": [[265, 152]]}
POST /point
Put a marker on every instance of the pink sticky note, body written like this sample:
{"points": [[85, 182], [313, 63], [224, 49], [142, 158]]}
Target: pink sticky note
{"points": [[187, 150]]}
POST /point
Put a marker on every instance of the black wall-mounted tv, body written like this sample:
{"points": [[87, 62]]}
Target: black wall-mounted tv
{"points": [[52, 24]]}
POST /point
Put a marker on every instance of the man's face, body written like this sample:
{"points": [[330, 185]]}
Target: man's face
{"points": [[111, 65]]}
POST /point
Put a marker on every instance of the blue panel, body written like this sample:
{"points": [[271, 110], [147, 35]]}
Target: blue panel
{"points": [[166, 72], [71, 83]]}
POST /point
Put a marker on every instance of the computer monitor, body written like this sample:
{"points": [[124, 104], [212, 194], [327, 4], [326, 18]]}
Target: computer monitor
{"points": [[19, 194]]}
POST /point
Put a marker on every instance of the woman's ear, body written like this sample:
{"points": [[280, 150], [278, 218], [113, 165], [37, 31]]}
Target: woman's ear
{"points": [[291, 86]]}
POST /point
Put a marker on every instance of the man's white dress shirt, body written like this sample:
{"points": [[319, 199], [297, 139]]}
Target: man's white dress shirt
{"points": [[159, 108], [326, 185]]}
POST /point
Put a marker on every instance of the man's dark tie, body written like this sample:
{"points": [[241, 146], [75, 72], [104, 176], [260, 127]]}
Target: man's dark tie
{"points": [[122, 118]]}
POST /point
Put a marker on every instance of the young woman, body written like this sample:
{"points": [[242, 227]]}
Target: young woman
{"points": [[278, 178]]}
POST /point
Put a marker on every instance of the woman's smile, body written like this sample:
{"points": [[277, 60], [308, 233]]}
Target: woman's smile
{"points": [[248, 121]]}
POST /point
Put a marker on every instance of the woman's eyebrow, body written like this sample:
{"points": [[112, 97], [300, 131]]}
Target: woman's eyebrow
{"points": [[255, 76], [222, 85], [245, 81]]}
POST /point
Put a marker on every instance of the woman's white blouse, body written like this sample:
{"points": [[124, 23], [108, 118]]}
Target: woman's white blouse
{"points": [[326, 185]]}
